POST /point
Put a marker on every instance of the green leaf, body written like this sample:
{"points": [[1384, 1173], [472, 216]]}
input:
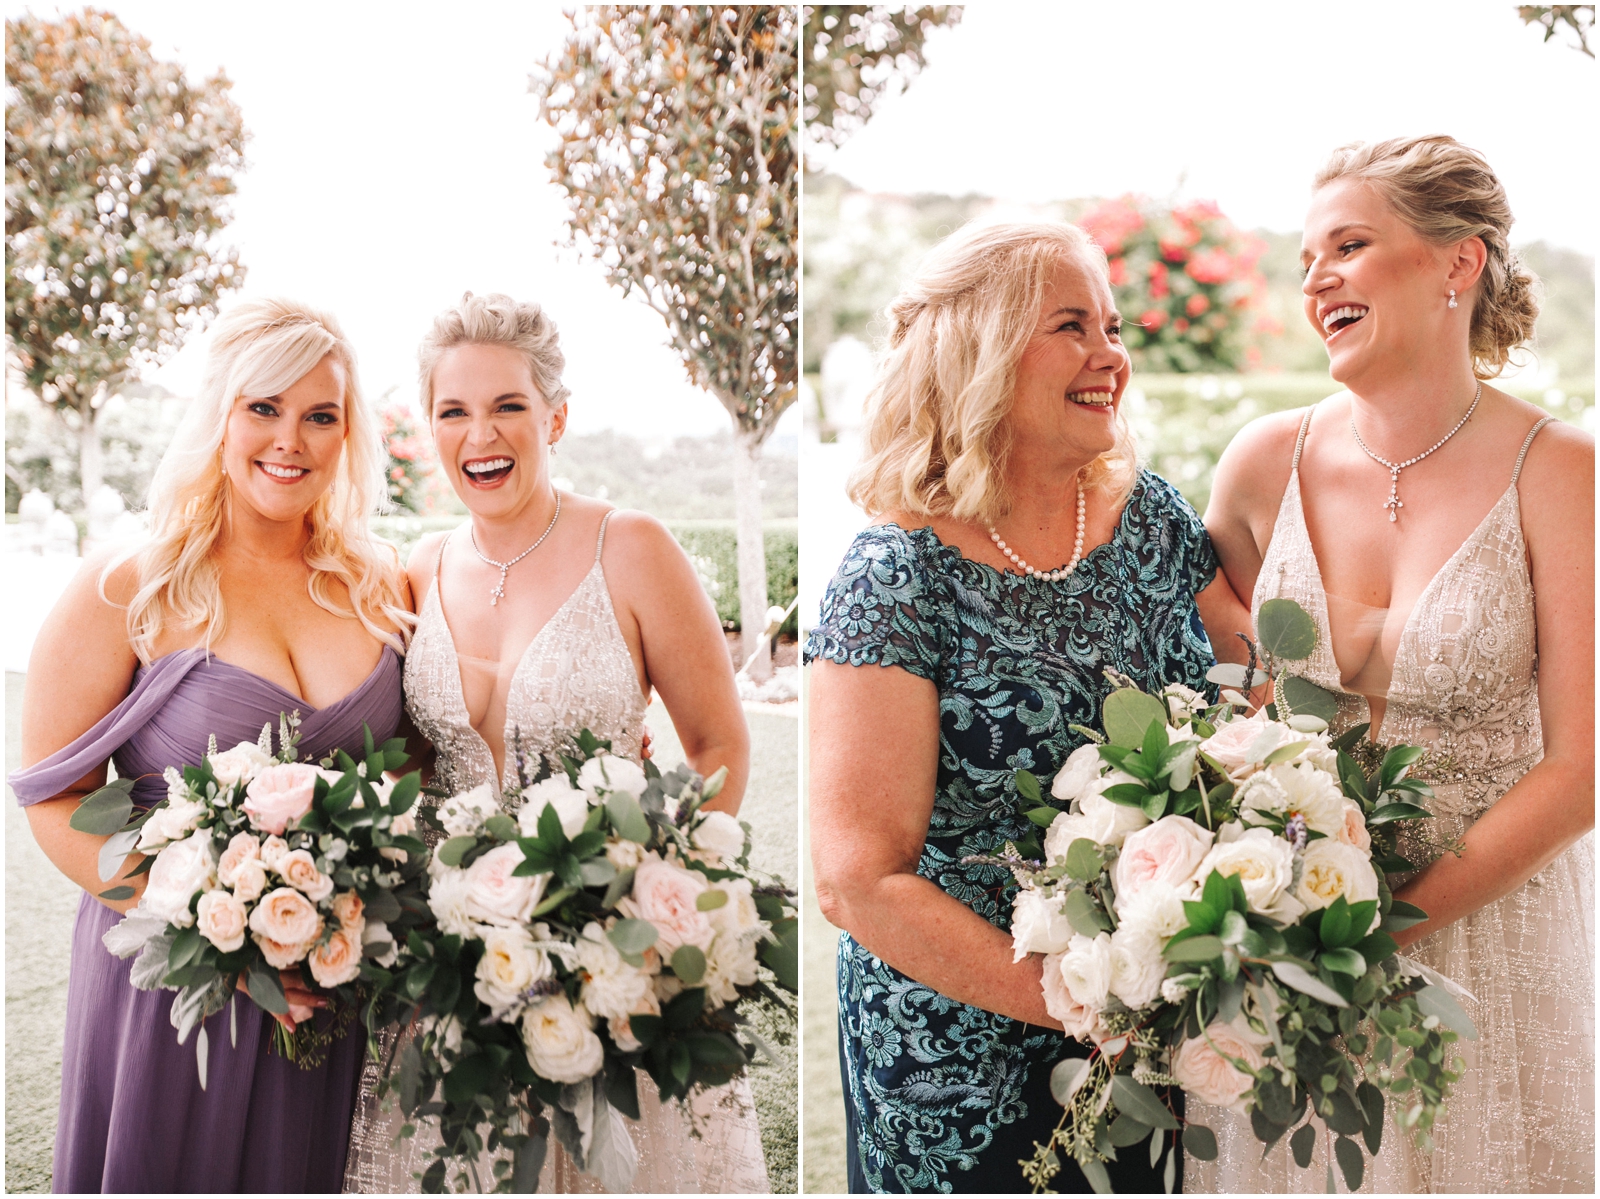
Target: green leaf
{"points": [[116, 893], [1436, 1001], [632, 936], [1155, 805], [1127, 714], [1377, 947], [1302, 1143], [619, 887], [627, 817], [1303, 980], [1345, 961], [1084, 914], [1335, 923], [1043, 817], [1286, 630], [104, 811], [710, 900], [689, 964], [1397, 811], [1125, 1131], [1193, 949], [1096, 1175], [1351, 1163], [685, 1009], [1028, 786], [1066, 1077], [1402, 915], [1305, 698], [1397, 761], [782, 955], [469, 1077], [502, 827], [1200, 1142], [1140, 1102], [1129, 795], [186, 947], [1371, 1101], [554, 900], [265, 988], [1227, 674], [1154, 748], [645, 1028], [453, 850], [1083, 860]]}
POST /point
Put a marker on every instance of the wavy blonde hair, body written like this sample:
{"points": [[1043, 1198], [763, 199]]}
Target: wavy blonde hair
{"points": [[261, 348], [937, 439], [1447, 193]]}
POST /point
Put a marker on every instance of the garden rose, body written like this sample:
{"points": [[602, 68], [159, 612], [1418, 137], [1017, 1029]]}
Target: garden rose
{"points": [[463, 815], [1168, 851], [612, 989], [1203, 1071], [1086, 969], [1233, 746], [1156, 910], [1080, 1020], [286, 917], [1264, 864], [739, 917], [280, 795], [171, 823], [447, 897], [347, 909], [242, 848], [221, 920], [720, 835], [280, 955], [249, 880], [299, 869], [239, 764], [1329, 869], [337, 960], [272, 849], [180, 870], [1353, 828], [730, 964], [572, 807], [607, 772], [1082, 767], [497, 896], [1137, 967], [560, 1041], [1315, 795], [1037, 925], [509, 966], [665, 895]]}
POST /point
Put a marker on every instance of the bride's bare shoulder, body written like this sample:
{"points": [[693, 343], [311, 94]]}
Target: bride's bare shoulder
{"points": [[1254, 468]]}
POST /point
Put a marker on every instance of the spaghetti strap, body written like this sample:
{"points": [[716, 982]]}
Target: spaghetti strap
{"points": [[601, 540], [1300, 442], [1532, 433], [438, 563]]}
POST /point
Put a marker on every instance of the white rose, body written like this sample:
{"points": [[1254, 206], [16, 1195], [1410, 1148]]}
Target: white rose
{"points": [[249, 880], [1168, 851], [299, 869], [1264, 863], [272, 849], [495, 895], [171, 823], [611, 773], [720, 835], [463, 815], [180, 870], [1203, 1071], [1156, 910], [1239, 745], [1080, 1020], [1315, 795], [730, 964], [1137, 967], [560, 1041], [1037, 924], [572, 807], [739, 917], [238, 765], [612, 988], [1082, 767], [376, 932], [1086, 970], [1262, 792], [509, 966], [1330, 869], [221, 920], [447, 898], [1353, 828]]}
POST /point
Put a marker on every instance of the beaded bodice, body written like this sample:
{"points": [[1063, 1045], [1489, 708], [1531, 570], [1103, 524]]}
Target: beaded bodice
{"points": [[575, 674], [1465, 678]]}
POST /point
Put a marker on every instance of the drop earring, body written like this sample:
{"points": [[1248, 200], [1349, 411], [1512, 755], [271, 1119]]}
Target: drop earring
{"points": [[1452, 303]]}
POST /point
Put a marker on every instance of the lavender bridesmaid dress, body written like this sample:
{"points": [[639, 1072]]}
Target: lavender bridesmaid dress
{"points": [[133, 1116]]}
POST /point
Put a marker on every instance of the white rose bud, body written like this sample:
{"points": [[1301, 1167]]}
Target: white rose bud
{"points": [[249, 880], [720, 835], [1083, 766]]}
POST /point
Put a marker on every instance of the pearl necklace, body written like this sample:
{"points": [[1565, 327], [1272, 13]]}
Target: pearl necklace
{"points": [[1060, 572], [505, 567], [1394, 503]]}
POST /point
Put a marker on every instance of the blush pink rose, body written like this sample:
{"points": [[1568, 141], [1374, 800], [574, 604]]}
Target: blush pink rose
{"points": [[1353, 829], [244, 847], [1230, 745], [287, 917], [665, 895], [281, 956], [1168, 851], [221, 917], [249, 880], [299, 870], [1078, 1019], [1203, 1071], [337, 960], [495, 895], [280, 795], [347, 909]]}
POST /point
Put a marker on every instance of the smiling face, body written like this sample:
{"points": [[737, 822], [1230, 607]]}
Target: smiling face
{"points": [[1072, 374], [1374, 289], [282, 452], [493, 428]]}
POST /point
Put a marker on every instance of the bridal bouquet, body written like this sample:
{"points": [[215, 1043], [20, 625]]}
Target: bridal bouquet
{"points": [[611, 924], [260, 863], [1215, 917]]}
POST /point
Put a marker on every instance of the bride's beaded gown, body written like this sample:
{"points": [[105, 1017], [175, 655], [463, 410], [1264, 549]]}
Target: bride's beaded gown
{"points": [[576, 673], [1464, 685]]}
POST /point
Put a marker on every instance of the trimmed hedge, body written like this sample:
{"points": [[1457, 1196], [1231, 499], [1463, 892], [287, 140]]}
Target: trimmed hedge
{"points": [[712, 546]]}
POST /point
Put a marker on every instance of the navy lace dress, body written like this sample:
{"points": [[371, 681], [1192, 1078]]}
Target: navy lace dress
{"points": [[939, 1095]]}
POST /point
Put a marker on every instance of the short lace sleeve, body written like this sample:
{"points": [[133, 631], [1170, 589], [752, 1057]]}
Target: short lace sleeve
{"points": [[1190, 544], [882, 607]]}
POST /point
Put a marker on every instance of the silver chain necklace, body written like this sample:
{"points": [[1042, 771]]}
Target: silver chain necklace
{"points": [[505, 567], [1394, 502]]}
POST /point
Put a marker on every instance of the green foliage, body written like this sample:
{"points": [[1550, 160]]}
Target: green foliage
{"points": [[118, 173], [712, 547], [1579, 18]]}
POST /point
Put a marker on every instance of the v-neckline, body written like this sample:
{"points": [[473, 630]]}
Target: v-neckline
{"points": [[460, 688], [1407, 629]]}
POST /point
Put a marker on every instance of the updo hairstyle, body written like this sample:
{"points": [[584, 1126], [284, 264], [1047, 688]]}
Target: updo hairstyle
{"points": [[497, 320], [937, 438], [1447, 192]]}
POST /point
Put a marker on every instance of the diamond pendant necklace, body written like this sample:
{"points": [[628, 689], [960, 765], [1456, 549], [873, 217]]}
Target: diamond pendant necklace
{"points": [[505, 567], [1060, 572], [1394, 502]]}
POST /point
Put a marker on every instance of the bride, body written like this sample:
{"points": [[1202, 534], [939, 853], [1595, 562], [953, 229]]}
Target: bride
{"points": [[548, 613], [1441, 534]]}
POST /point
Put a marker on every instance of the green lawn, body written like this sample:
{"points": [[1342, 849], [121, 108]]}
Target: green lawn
{"points": [[40, 904]]}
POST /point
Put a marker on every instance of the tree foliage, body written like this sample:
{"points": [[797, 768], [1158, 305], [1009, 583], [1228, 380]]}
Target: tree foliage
{"points": [[856, 56], [1551, 17], [118, 174], [677, 152]]}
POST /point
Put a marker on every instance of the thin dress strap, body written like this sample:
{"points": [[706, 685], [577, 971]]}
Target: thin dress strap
{"points": [[1532, 433], [438, 563], [601, 540], [1300, 442]]}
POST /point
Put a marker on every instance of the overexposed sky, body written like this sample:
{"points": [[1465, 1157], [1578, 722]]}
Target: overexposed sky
{"points": [[1242, 101], [396, 160]]}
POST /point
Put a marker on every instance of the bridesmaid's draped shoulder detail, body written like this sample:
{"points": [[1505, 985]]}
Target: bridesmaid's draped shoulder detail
{"points": [[942, 1096]]}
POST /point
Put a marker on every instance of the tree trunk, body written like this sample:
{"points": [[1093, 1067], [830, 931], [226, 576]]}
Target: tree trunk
{"points": [[752, 554], [88, 449]]}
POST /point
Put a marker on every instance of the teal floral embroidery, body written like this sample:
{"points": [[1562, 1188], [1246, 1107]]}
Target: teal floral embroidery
{"points": [[940, 1091]]}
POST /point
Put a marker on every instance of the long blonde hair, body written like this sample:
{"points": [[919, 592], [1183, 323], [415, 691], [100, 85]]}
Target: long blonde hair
{"points": [[937, 441], [261, 348]]}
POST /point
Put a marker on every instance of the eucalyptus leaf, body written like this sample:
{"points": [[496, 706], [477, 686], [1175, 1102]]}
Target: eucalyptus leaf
{"points": [[1200, 1142], [1227, 674], [453, 850], [627, 817], [1140, 1102], [1127, 714], [1125, 1131], [1436, 1001], [1068, 1075], [116, 847], [689, 964], [104, 811], [1305, 699], [1084, 914], [632, 936], [1303, 980], [711, 899], [1302, 1143], [1097, 1176], [1351, 1163], [1286, 630]]}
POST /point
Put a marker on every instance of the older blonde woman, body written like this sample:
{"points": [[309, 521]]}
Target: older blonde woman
{"points": [[259, 592], [1441, 534], [1018, 552]]}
